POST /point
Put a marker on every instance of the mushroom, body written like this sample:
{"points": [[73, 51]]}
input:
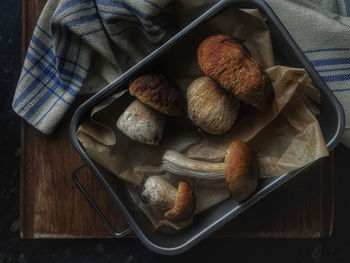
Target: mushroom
{"points": [[239, 169], [225, 60], [156, 91], [143, 122], [210, 107], [178, 204]]}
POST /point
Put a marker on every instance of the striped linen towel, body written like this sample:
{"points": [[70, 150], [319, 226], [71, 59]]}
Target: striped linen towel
{"points": [[322, 30], [81, 45]]}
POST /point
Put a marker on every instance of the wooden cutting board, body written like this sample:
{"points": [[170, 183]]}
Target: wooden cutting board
{"points": [[51, 206]]}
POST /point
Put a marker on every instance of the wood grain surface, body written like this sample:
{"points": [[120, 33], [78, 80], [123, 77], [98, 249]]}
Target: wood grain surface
{"points": [[51, 206]]}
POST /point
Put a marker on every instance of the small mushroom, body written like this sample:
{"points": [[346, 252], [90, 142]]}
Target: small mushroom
{"points": [[142, 123], [178, 203], [210, 107], [240, 170]]}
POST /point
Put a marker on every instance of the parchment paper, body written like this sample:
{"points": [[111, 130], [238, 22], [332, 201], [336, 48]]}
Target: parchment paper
{"points": [[286, 137]]}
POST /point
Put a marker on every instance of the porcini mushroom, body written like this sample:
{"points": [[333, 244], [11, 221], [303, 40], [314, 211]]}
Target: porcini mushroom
{"points": [[225, 60], [158, 92], [178, 204], [142, 123], [239, 169], [210, 107]]}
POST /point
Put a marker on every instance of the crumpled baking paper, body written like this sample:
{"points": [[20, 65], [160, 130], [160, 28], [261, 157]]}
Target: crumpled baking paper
{"points": [[286, 137]]}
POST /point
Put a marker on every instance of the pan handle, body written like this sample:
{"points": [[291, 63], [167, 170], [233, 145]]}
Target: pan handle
{"points": [[94, 205]]}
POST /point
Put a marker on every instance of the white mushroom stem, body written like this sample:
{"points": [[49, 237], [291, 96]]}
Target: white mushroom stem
{"points": [[178, 163], [158, 192], [178, 204], [142, 123], [239, 170]]}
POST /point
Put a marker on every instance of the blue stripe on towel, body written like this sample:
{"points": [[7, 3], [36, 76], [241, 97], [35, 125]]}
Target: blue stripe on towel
{"points": [[333, 69], [51, 76], [47, 71], [33, 65], [65, 7], [76, 12], [326, 49], [347, 7], [72, 62], [334, 78], [114, 13], [113, 3], [330, 61], [41, 66], [92, 32], [81, 20], [44, 47], [152, 4], [59, 21], [46, 95], [52, 56], [38, 104], [47, 51], [44, 85], [43, 31], [31, 88], [54, 104], [341, 90]]}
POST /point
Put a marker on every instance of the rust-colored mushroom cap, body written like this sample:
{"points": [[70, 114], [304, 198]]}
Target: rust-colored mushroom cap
{"points": [[240, 170], [225, 60], [184, 204], [156, 91]]}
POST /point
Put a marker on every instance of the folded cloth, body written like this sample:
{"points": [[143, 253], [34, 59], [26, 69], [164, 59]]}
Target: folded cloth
{"points": [[322, 30], [81, 45]]}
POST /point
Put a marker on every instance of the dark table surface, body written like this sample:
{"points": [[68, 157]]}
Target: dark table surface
{"points": [[13, 249]]}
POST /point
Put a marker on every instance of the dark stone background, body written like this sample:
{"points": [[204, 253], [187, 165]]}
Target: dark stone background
{"points": [[13, 249]]}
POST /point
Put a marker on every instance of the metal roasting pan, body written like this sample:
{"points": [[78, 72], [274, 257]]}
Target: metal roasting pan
{"points": [[331, 120]]}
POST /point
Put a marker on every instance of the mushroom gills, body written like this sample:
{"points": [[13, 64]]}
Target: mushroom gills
{"points": [[178, 163]]}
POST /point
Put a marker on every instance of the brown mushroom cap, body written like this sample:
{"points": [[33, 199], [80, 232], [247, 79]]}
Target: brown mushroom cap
{"points": [[240, 172], [184, 204], [156, 91], [222, 58]]}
